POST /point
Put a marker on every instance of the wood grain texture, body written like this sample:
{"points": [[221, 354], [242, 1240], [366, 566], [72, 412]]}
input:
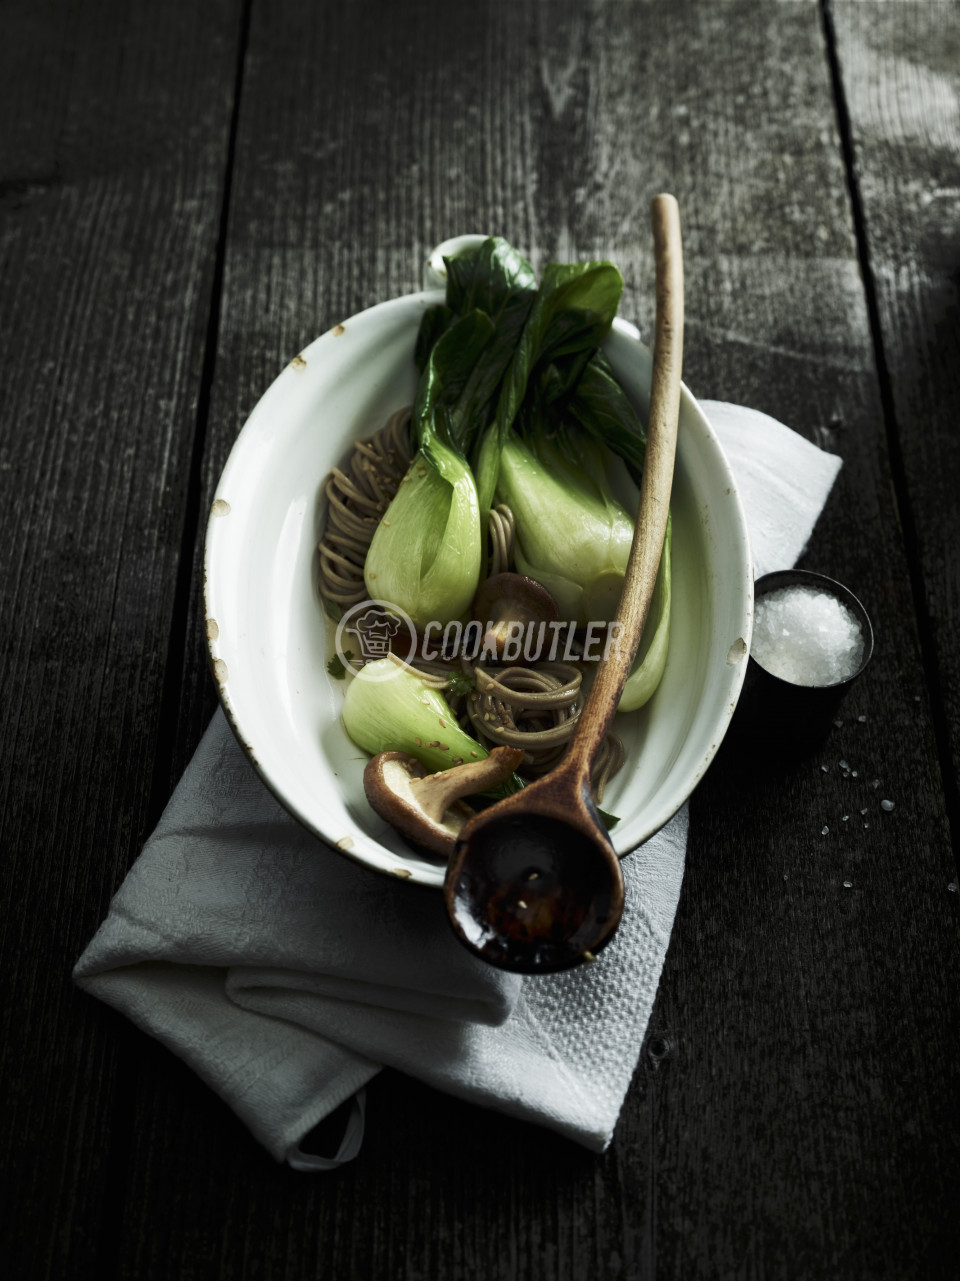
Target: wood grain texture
{"points": [[794, 1112], [828, 1041], [900, 78], [115, 124], [789, 1115]]}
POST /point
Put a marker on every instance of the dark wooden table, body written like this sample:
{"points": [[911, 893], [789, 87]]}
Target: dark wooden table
{"points": [[191, 192]]}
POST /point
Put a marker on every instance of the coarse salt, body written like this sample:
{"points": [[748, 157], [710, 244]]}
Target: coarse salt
{"points": [[806, 636]]}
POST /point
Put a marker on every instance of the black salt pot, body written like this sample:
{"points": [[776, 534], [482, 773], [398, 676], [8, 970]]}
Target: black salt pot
{"points": [[776, 715]]}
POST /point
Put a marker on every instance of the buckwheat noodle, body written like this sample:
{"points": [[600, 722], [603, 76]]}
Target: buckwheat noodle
{"points": [[500, 533], [356, 499]]}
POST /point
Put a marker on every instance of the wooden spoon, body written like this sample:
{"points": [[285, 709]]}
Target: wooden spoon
{"points": [[534, 883]]}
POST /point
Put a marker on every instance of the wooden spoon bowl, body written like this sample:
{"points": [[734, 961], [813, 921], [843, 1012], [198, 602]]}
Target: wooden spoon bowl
{"points": [[537, 893]]}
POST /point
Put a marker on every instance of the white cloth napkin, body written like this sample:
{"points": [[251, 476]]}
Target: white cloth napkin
{"points": [[286, 975]]}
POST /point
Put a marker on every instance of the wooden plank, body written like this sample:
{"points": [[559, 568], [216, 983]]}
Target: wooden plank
{"points": [[788, 1117], [116, 120], [900, 71]]}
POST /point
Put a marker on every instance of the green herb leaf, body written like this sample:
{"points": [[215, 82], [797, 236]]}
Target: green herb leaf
{"points": [[336, 668], [609, 820], [459, 684]]}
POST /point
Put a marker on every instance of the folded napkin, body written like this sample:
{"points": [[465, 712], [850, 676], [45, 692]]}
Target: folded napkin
{"points": [[286, 975]]}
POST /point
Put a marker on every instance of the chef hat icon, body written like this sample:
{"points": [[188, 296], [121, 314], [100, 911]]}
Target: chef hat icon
{"points": [[375, 630]]}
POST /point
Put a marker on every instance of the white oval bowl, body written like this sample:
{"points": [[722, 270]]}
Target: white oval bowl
{"points": [[270, 640]]}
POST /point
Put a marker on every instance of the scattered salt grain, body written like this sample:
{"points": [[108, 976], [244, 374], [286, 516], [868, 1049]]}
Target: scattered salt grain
{"points": [[854, 774], [886, 806], [824, 830], [845, 818], [862, 720], [807, 637], [848, 885], [875, 783], [825, 769], [952, 887], [864, 810]]}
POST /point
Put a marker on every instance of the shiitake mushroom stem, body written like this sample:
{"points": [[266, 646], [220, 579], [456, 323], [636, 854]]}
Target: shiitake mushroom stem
{"points": [[426, 808], [436, 793]]}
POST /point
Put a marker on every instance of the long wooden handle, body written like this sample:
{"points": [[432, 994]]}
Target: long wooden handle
{"points": [[655, 489]]}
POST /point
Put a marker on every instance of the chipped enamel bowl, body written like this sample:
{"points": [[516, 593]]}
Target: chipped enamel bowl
{"points": [[270, 640]]}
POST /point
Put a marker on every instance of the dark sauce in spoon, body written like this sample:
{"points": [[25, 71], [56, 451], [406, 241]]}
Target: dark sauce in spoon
{"points": [[532, 893]]}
